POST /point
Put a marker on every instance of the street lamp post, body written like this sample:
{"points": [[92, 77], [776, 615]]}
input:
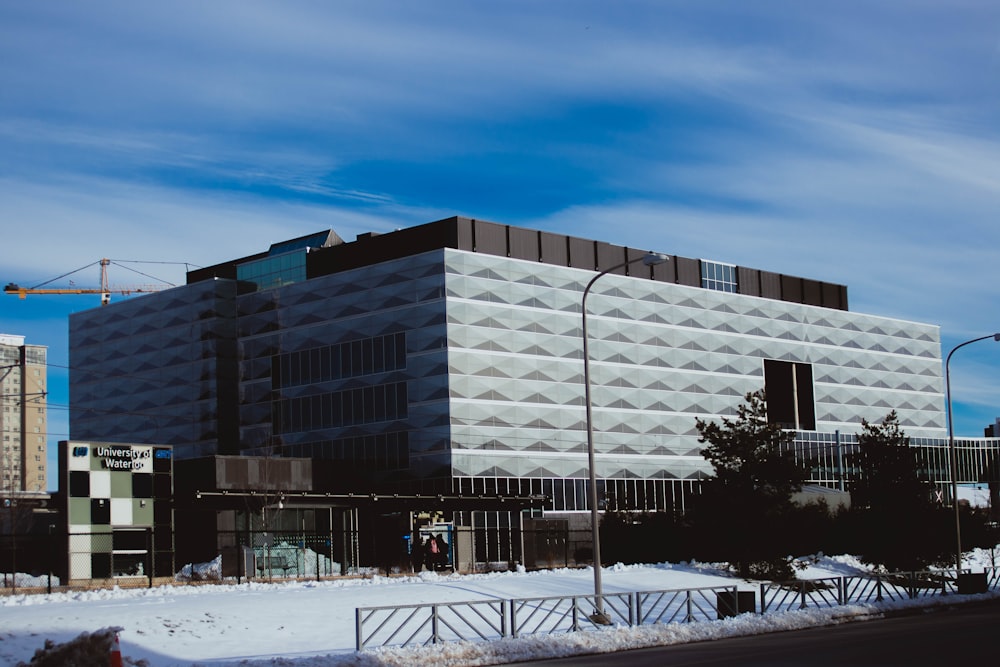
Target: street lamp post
{"points": [[649, 259], [951, 450]]}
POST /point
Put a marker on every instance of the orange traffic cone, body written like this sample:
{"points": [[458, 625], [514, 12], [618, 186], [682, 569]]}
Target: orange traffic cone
{"points": [[115, 657]]}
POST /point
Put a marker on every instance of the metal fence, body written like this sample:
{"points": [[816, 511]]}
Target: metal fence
{"points": [[123, 557], [421, 625], [144, 557], [27, 562], [836, 591]]}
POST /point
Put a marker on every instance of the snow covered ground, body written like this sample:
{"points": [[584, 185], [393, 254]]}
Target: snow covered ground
{"points": [[311, 624]]}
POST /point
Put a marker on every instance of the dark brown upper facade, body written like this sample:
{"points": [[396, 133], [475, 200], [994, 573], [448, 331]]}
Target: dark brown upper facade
{"points": [[538, 246]]}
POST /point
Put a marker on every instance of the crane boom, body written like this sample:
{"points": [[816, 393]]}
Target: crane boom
{"points": [[22, 292], [105, 290]]}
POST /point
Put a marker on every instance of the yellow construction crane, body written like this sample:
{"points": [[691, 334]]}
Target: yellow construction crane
{"points": [[105, 290]]}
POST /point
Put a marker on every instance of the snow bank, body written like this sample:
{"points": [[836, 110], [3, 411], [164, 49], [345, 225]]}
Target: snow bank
{"points": [[89, 648]]}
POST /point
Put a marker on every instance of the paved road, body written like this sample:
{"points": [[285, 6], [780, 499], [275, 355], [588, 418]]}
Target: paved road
{"points": [[966, 635]]}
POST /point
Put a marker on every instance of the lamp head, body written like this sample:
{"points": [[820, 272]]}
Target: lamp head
{"points": [[654, 258], [996, 337]]}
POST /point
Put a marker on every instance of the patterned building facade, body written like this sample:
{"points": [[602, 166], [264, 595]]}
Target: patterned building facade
{"points": [[447, 358]]}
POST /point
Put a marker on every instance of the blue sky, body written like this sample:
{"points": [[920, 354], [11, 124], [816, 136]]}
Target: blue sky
{"points": [[851, 142]]}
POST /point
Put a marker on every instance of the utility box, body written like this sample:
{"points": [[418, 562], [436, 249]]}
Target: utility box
{"points": [[734, 603], [972, 583]]}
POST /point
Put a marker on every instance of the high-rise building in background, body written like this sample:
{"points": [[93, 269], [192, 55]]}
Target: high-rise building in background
{"points": [[23, 416]]}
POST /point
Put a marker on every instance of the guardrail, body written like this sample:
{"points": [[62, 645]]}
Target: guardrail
{"points": [[488, 620]]}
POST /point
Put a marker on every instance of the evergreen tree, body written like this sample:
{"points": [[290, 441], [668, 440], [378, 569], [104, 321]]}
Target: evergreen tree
{"points": [[743, 512], [893, 518], [888, 473]]}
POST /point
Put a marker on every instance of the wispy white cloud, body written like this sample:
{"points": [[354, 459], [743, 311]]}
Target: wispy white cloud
{"points": [[70, 223]]}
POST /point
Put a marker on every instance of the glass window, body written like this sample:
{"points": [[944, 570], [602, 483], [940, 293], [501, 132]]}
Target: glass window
{"points": [[379, 403], [337, 409], [788, 387], [345, 361], [719, 276], [401, 400], [315, 366], [315, 412], [400, 345], [391, 409], [274, 271], [326, 412], [378, 354], [324, 364], [368, 405], [367, 362], [357, 358], [335, 372]]}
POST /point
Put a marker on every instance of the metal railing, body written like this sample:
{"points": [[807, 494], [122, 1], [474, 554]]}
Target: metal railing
{"points": [[567, 613], [420, 625], [412, 625], [685, 606], [836, 591]]}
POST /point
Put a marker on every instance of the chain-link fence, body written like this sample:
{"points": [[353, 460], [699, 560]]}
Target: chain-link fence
{"points": [[147, 557], [28, 563], [127, 558]]}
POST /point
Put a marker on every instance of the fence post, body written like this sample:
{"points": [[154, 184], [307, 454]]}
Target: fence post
{"points": [[149, 554], [13, 559], [687, 604], [576, 614], [52, 552], [434, 625], [513, 619], [50, 543], [503, 618], [878, 587], [357, 629], [763, 605], [802, 595]]}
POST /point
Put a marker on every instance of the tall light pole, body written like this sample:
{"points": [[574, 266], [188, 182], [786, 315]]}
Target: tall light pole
{"points": [[951, 450], [649, 259]]}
